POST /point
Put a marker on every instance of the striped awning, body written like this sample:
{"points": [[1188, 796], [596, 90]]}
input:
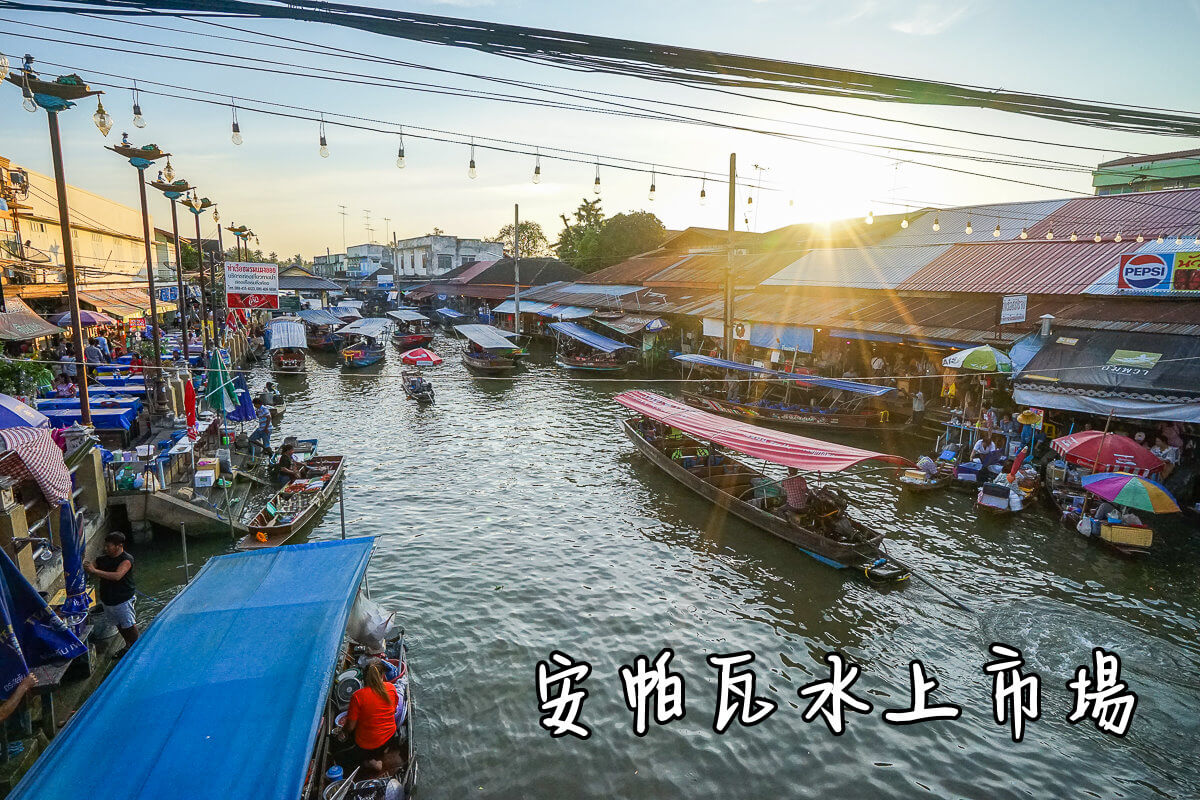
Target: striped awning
{"points": [[124, 304]]}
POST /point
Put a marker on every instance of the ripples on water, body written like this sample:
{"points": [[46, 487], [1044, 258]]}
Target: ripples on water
{"points": [[513, 518]]}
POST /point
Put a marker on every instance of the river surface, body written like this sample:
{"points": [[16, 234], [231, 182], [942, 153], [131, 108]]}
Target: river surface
{"points": [[513, 519]]}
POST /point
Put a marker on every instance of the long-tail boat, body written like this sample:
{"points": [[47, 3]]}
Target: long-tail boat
{"points": [[295, 506], [488, 350], [684, 442], [412, 329], [583, 349]]}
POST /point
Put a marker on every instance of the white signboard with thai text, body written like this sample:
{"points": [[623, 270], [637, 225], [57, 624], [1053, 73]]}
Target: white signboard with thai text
{"points": [[250, 285]]}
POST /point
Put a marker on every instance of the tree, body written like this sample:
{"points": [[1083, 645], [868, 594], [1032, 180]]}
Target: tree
{"points": [[534, 243], [593, 242], [435, 232], [272, 257]]}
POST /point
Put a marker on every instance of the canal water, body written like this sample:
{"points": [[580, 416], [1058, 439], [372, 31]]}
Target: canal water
{"points": [[514, 519]]}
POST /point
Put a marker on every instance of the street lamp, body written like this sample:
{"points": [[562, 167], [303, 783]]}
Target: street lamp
{"points": [[140, 158], [198, 205], [57, 96], [174, 189]]}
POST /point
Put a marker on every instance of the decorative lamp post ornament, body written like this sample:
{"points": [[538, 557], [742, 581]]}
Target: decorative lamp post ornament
{"points": [[173, 190]]}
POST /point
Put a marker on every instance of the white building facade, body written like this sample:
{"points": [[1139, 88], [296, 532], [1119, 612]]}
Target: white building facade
{"points": [[429, 256]]}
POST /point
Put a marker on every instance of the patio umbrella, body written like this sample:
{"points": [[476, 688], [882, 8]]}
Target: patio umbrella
{"points": [[220, 393], [421, 356], [984, 358], [1107, 452], [87, 319], [1130, 490], [15, 414]]}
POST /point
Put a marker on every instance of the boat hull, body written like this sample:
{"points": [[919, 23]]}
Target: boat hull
{"points": [[265, 533], [488, 365], [587, 365], [327, 344], [358, 357], [287, 362], [794, 419], [840, 555], [410, 340]]}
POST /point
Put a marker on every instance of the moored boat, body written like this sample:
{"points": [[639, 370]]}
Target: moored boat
{"points": [[295, 506], [412, 329], [320, 326], [288, 343], [683, 443], [488, 349], [583, 349], [366, 337]]}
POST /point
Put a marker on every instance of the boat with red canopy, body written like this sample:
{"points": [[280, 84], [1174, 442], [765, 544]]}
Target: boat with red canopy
{"points": [[682, 442]]}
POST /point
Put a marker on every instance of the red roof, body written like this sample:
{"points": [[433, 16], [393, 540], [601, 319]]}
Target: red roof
{"points": [[777, 447], [1148, 213], [1029, 266]]}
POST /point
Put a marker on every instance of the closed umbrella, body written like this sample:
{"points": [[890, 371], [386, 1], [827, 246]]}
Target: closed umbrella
{"points": [[1107, 452], [1126, 489], [87, 319], [984, 358], [15, 414], [421, 356], [219, 393]]}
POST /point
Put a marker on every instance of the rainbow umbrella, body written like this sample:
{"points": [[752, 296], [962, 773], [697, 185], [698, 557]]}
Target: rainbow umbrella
{"points": [[1130, 490]]}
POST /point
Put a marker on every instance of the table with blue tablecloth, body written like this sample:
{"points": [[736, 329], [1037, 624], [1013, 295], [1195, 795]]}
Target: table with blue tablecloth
{"points": [[115, 401], [102, 418], [135, 385]]}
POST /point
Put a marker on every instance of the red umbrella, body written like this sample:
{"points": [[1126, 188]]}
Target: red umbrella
{"points": [[421, 356], [1107, 452]]}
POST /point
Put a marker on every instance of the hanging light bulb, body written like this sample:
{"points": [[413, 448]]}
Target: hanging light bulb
{"points": [[101, 118], [537, 167], [400, 152], [216, 215], [1097, 237], [1117, 238], [596, 183], [1074, 236], [904, 223], [28, 103], [236, 138], [1159, 240], [703, 193], [870, 218], [749, 199], [937, 225], [471, 173], [138, 120], [996, 232], [169, 172], [1178, 240], [1050, 233], [970, 230], [3, 66], [324, 149], [1024, 233], [653, 175], [1140, 238]]}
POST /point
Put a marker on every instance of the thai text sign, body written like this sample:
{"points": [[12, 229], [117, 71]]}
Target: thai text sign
{"points": [[1159, 273], [1013, 308], [249, 285]]}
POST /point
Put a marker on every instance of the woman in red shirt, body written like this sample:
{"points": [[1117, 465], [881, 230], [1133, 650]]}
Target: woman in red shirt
{"points": [[372, 716]]}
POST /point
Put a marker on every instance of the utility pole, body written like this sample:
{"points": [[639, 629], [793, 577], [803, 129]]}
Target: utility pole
{"points": [[343, 213], [728, 322], [517, 269]]}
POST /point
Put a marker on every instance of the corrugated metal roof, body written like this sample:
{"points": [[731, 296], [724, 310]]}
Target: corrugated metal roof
{"points": [[952, 222], [634, 270], [867, 268], [1149, 213], [708, 270], [1031, 266]]}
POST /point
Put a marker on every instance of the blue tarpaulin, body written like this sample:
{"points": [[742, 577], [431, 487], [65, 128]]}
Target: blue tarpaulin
{"points": [[318, 316], [527, 307], [222, 696], [450, 313], [781, 337], [15, 414], [590, 338], [32, 634], [565, 312], [871, 389]]}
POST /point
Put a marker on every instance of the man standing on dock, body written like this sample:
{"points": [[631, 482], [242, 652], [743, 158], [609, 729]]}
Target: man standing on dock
{"points": [[116, 592]]}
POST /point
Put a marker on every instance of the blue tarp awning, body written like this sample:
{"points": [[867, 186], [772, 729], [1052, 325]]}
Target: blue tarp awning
{"points": [[865, 336], [527, 307], [407, 315], [450, 313], [812, 380], [781, 337], [590, 338], [319, 316], [287, 333], [487, 337], [565, 312], [370, 326], [223, 695]]}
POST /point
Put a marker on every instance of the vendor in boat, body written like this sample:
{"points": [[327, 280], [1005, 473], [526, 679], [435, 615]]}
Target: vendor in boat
{"points": [[269, 395], [371, 719], [288, 468], [985, 450], [795, 489]]}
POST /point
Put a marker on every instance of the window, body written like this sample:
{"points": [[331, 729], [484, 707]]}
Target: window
{"points": [[38, 227], [445, 262], [467, 260]]}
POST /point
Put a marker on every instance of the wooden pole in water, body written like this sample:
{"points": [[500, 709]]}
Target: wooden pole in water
{"points": [[187, 573], [342, 506]]}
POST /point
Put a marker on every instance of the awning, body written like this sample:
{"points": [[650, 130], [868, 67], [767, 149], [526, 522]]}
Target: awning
{"points": [[590, 338], [556, 311], [527, 307], [870, 389], [239, 661], [346, 311], [1136, 375], [351, 304], [318, 316], [287, 333], [370, 327], [786, 449], [633, 323], [866, 336], [125, 304], [487, 337], [450, 313], [781, 337], [407, 315], [20, 323]]}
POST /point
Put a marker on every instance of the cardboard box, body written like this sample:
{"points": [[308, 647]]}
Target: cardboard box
{"points": [[205, 478], [209, 463]]}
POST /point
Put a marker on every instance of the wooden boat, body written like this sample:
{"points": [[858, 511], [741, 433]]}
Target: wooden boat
{"points": [[842, 542], [416, 387], [766, 396], [324, 339], [489, 350], [1008, 494], [295, 506], [367, 342], [488, 362], [583, 349], [287, 360], [288, 342], [412, 329], [591, 363], [1067, 497]]}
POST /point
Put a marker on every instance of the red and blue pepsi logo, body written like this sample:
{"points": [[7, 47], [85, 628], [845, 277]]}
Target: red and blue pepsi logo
{"points": [[1145, 271]]}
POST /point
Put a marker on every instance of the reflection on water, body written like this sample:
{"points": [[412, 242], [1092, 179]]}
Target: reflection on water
{"points": [[513, 518]]}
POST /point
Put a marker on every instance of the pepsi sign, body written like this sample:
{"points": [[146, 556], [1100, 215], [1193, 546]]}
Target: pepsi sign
{"points": [[1145, 271]]}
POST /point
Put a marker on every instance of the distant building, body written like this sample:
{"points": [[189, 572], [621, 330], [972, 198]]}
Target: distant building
{"points": [[364, 259], [428, 256], [1178, 170]]}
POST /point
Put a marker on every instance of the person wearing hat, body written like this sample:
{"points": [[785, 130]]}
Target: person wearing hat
{"points": [[114, 569]]}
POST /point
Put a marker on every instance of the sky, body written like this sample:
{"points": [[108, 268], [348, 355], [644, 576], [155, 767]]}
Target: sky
{"points": [[277, 184]]}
